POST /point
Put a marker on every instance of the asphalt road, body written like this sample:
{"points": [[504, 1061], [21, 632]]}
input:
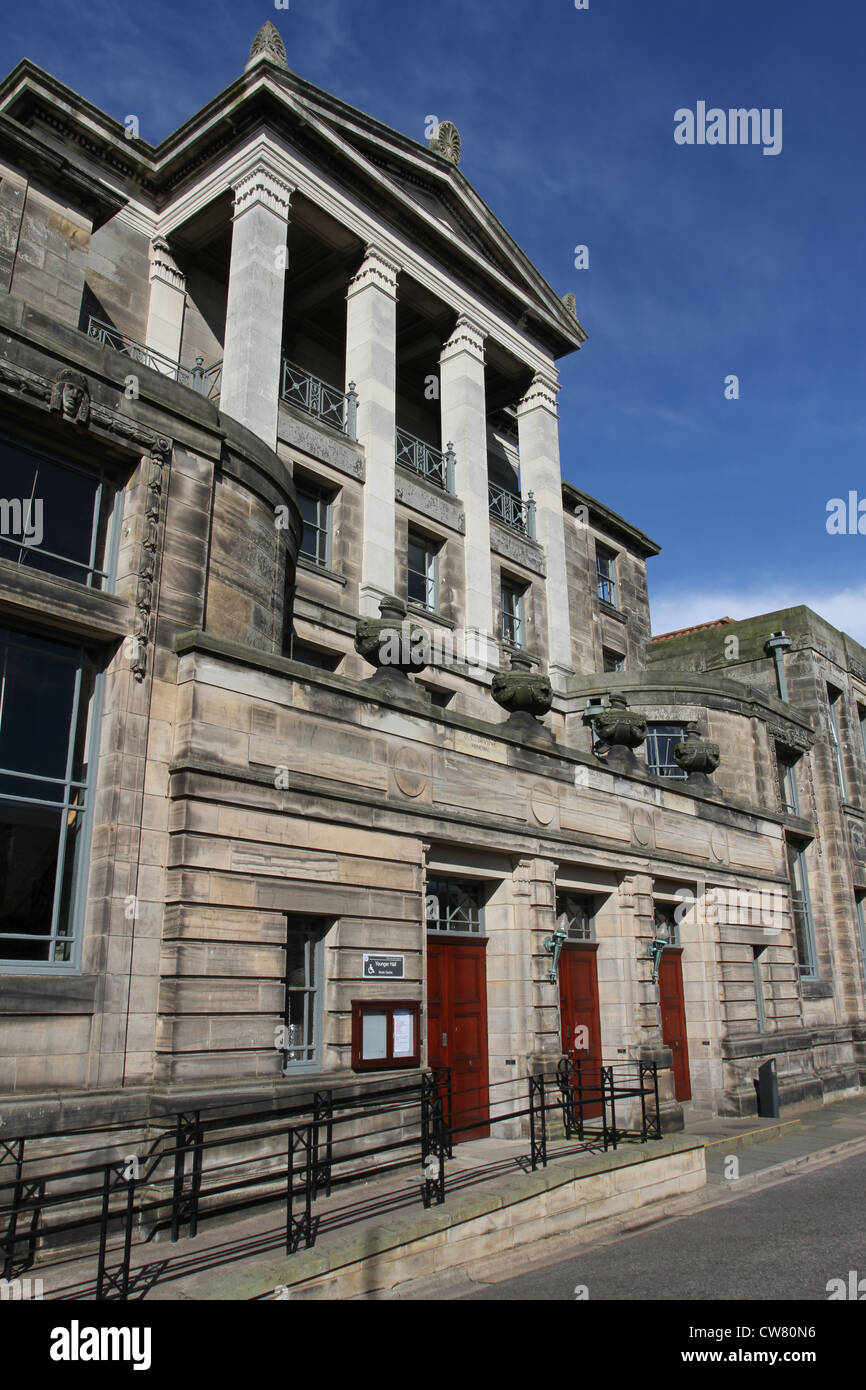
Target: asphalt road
{"points": [[784, 1242]]}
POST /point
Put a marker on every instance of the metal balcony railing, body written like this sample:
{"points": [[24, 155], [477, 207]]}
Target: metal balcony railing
{"points": [[511, 510], [319, 398], [205, 380], [421, 458]]}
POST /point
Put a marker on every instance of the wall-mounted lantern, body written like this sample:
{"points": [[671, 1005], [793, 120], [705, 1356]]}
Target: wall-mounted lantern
{"points": [[661, 939], [554, 944]]}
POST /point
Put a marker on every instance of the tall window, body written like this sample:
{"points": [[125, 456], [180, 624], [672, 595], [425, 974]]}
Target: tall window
{"points": [[802, 910], [455, 906], [861, 718], [46, 702], [660, 744], [513, 620], [423, 571], [56, 516], [757, 952], [787, 782], [860, 904], [834, 703], [303, 999], [315, 503], [605, 564], [578, 910]]}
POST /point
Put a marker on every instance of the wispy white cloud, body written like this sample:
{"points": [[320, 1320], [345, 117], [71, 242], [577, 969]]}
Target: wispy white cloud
{"points": [[843, 608]]}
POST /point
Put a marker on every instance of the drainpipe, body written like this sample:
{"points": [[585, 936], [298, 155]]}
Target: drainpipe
{"points": [[778, 644]]}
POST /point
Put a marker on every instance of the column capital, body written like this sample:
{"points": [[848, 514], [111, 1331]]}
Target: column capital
{"points": [[377, 270], [541, 394], [259, 185], [467, 337], [163, 266]]}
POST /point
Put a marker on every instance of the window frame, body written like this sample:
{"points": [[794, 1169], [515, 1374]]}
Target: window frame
{"points": [[462, 884], [606, 577], [86, 788], [517, 618], [860, 909], [323, 496], [317, 928], [669, 771], [804, 924], [590, 903], [757, 952], [788, 790], [834, 703], [618, 658], [105, 476], [430, 575], [665, 913]]}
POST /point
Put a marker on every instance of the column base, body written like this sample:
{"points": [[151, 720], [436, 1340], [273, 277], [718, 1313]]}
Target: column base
{"points": [[670, 1109]]}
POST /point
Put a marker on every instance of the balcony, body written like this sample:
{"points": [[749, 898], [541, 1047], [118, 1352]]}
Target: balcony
{"points": [[511, 510], [419, 457], [205, 380], [318, 398]]}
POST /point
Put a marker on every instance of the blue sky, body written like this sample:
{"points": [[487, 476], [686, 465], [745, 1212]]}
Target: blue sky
{"points": [[704, 261]]}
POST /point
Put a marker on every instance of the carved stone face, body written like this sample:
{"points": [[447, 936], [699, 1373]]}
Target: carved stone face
{"points": [[70, 400]]}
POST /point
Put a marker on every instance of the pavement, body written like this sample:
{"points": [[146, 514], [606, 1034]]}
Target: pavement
{"points": [[766, 1154], [796, 1239]]}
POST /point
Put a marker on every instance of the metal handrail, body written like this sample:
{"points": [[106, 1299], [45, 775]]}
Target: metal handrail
{"points": [[136, 1200], [319, 398], [205, 380], [422, 458], [512, 510]]}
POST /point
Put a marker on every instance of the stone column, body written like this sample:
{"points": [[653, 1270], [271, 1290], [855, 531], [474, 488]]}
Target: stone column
{"points": [[254, 318], [167, 302], [371, 363], [464, 423], [538, 431]]}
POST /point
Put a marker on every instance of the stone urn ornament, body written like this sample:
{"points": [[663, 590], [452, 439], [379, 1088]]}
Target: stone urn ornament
{"points": [[619, 730], [698, 758], [526, 695], [396, 647]]}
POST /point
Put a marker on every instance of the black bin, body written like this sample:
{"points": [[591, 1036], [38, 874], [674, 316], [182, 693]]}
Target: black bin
{"points": [[768, 1090]]}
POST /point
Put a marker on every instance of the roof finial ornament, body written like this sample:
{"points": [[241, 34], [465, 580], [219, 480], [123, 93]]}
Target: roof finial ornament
{"points": [[267, 46], [570, 303], [445, 140]]}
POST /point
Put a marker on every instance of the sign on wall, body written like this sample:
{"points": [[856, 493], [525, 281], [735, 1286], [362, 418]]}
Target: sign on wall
{"points": [[383, 967]]}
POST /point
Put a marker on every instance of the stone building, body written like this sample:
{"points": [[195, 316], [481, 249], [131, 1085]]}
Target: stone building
{"points": [[819, 783], [263, 386]]}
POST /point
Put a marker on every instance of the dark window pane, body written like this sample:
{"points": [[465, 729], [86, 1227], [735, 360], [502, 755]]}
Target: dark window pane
{"points": [[29, 842], [37, 686], [48, 514], [417, 588]]}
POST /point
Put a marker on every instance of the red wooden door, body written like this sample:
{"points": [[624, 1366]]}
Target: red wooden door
{"points": [[578, 1011], [673, 1011], [457, 1028]]}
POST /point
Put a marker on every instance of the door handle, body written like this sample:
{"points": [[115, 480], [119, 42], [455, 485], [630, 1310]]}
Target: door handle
{"points": [[444, 1039]]}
